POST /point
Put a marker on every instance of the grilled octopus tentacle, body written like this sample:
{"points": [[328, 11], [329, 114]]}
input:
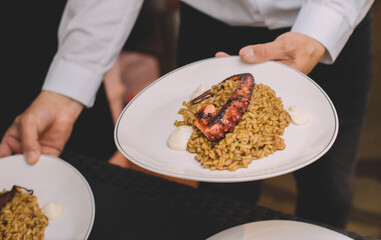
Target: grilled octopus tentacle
{"points": [[206, 94], [8, 196], [214, 124]]}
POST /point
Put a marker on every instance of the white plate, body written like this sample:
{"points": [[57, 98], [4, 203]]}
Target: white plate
{"points": [[279, 229], [143, 127], [53, 179]]}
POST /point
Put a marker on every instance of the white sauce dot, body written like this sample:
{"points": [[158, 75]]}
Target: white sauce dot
{"points": [[179, 137], [53, 210], [298, 115], [200, 90]]}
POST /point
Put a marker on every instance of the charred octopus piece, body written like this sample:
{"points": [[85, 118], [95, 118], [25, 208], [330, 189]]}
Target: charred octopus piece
{"points": [[8, 196], [215, 124]]}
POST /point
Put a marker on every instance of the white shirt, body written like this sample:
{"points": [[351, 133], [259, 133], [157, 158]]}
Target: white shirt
{"points": [[92, 32]]}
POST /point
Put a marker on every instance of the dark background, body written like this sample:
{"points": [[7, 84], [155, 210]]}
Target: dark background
{"points": [[29, 42]]}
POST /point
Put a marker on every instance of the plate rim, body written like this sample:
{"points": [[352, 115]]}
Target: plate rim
{"points": [[58, 160], [274, 221], [228, 180]]}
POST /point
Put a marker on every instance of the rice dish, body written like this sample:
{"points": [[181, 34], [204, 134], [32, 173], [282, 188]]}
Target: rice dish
{"points": [[257, 135]]}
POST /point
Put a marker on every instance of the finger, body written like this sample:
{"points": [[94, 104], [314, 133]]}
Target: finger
{"points": [[50, 151], [262, 52], [221, 54], [10, 145], [5, 150], [10, 142], [29, 139]]}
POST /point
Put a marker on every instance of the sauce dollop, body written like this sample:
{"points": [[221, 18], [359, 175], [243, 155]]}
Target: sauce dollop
{"points": [[178, 139], [299, 115], [53, 210], [200, 90]]}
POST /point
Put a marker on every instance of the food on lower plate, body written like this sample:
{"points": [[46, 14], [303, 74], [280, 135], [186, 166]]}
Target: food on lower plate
{"points": [[252, 133], [20, 215]]}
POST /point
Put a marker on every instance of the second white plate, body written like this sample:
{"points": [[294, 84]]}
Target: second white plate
{"points": [[279, 229], [54, 180]]}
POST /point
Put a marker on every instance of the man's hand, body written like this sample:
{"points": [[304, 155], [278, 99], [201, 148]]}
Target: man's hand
{"points": [[43, 128], [293, 49]]}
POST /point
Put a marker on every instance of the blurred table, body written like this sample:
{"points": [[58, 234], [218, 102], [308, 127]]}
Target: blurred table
{"points": [[133, 205]]}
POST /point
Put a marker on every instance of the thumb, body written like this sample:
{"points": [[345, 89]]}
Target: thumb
{"points": [[261, 53], [29, 140]]}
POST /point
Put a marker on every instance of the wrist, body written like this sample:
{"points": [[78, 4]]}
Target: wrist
{"points": [[61, 102]]}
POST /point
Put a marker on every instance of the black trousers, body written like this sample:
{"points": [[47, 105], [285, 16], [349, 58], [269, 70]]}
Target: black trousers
{"points": [[324, 187]]}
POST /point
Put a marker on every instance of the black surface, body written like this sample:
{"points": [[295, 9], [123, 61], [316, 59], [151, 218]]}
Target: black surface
{"points": [[134, 205]]}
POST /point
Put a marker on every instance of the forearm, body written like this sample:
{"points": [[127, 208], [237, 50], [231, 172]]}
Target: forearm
{"points": [[331, 22], [91, 34]]}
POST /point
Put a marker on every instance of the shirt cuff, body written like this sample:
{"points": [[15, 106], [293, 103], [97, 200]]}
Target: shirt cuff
{"points": [[326, 26], [73, 81]]}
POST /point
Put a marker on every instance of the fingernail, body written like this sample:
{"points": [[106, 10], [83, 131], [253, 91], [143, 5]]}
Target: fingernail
{"points": [[249, 52], [30, 157]]}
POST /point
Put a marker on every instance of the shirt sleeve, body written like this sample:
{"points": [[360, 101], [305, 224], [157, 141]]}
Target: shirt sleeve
{"points": [[90, 37], [331, 22]]}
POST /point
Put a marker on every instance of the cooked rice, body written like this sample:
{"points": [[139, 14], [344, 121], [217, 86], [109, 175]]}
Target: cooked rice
{"points": [[257, 135], [22, 218]]}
